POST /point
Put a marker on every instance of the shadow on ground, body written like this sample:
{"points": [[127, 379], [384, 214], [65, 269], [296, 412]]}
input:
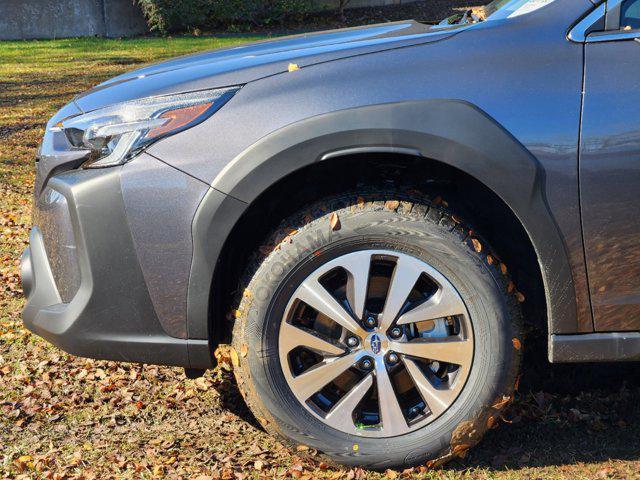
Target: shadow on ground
{"points": [[231, 399], [565, 414]]}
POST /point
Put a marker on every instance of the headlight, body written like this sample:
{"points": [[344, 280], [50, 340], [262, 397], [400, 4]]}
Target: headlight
{"points": [[117, 133]]}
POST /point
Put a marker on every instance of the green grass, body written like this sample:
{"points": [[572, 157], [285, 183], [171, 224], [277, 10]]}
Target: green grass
{"points": [[77, 418], [38, 77], [43, 53]]}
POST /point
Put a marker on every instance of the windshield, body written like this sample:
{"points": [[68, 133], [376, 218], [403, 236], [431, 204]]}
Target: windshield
{"points": [[513, 8], [493, 7], [498, 9]]}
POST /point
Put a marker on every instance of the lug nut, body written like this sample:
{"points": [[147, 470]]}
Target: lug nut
{"points": [[414, 412], [396, 332], [392, 358], [353, 342], [366, 363], [370, 322]]}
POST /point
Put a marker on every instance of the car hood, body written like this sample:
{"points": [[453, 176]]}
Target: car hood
{"points": [[243, 64]]}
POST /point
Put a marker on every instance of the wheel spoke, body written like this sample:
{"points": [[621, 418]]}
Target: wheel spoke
{"points": [[437, 400], [315, 295], [456, 351], [393, 421], [316, 377], [357, 266], [444, 303], [293, 336], [341, 415], [404, 278], [338, 290]]}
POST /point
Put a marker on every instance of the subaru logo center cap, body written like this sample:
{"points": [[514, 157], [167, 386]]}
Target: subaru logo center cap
{"points": [[376, 344]]}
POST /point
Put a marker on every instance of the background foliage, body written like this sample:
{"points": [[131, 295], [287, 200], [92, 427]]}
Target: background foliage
{"points": [[165, 16]]}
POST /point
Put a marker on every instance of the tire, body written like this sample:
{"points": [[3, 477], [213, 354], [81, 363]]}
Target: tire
{"points": [[414, 228]]}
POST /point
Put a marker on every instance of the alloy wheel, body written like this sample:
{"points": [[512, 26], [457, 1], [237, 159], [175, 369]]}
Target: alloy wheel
{"points": [[376, 343]]}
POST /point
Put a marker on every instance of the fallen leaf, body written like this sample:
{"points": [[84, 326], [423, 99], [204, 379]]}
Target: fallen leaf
{"points": [[477, 246], [491, 422], [244, 350], [263, 421], [202, 383], [392, 205], [334, 221], [501, 403], [235, 361], [461, 450], [607, 472], [516, 344], [293, 67]]}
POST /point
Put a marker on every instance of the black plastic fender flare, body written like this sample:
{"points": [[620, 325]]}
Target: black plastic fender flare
{"points": [[450, 131]]}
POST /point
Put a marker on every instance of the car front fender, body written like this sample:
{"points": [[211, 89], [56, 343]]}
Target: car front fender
{"points": [[453, 132]]}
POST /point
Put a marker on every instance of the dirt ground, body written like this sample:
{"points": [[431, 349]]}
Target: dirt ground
{"points": [[66, 417]]}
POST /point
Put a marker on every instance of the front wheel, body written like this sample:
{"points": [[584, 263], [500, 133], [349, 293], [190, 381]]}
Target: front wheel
{"points": [[377, 333]]}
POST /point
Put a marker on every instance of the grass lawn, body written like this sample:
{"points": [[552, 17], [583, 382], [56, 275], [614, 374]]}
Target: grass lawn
{"points": [[66, 417]]}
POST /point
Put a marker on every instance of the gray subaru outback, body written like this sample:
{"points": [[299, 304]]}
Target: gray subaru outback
{"points": [[369, 216]]}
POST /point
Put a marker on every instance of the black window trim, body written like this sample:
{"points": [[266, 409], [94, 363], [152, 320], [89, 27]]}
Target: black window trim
{"points": [[602, 25]]}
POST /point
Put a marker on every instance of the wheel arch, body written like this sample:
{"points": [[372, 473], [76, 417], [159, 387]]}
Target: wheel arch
{"points": [[435, 134]]}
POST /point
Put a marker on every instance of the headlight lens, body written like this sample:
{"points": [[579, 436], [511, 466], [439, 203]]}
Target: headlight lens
{"points": [[117, 133]]}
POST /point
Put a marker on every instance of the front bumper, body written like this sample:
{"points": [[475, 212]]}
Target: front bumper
{"points": [[107, 313]]}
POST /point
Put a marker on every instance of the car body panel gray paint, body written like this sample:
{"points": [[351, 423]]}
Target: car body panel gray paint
{"points": [[214, 220], [53, 217], [517, 82], [327, 39], [544, 81], [595, 347], [160, 202], [239, 65], [453, 132], [111, 316], [610, 181]]}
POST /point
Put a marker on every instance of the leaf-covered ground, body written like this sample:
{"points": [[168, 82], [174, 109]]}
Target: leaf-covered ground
{"points": [[67, 417]]}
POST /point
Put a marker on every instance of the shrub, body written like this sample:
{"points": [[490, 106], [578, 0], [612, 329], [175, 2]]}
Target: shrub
{"points": [[179, 15]]}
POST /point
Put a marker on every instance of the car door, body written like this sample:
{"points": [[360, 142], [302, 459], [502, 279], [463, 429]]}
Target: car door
{"points": [[610, 166]]}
